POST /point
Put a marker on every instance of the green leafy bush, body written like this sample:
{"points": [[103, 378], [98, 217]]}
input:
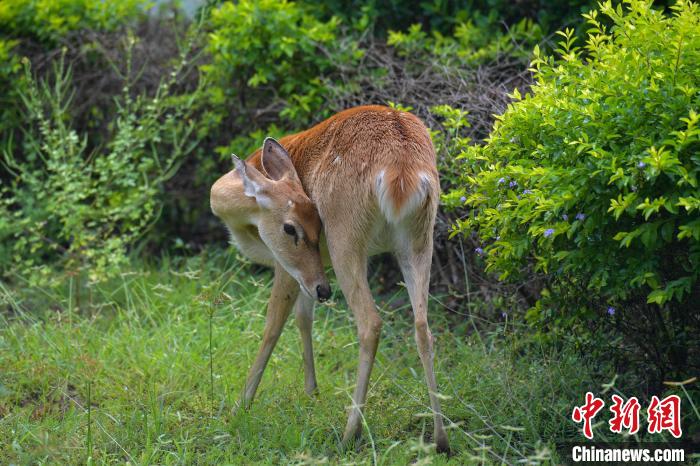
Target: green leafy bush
{"points": [[592, 179], [448, 141], [273, 56], [386, 15], [11, 82], [35, 27], [443, 15], [81, 212], [49, 20], [471, 43]]}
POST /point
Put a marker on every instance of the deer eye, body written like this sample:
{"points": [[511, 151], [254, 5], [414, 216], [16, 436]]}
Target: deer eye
{"points": [[290, 230]]}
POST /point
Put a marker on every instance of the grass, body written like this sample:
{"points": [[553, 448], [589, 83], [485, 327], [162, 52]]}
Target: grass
{"points": [[149, 373]]}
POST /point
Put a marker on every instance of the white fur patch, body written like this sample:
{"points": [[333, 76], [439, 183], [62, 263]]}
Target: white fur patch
{"points": [[414, 201]]}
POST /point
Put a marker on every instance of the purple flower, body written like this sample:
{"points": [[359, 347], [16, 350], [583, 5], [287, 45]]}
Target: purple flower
{"points": [[498, 238], [548, 232], [504, 315], [580, 216], [527, 191], [611, 311], [463, 199], [513, 184], [641, 165], [501, 180], [565, 217], [479, 251]]}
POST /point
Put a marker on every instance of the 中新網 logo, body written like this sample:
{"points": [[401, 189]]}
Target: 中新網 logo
{"points": [[662, 415]]}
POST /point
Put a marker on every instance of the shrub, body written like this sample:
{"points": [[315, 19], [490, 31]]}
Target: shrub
{"points": [[35, 27], [449, 140], [472, 42], [386, 15], [442, 16], [592, 179], [49, 20], [272, 56], [11, 82], [82, 212]]}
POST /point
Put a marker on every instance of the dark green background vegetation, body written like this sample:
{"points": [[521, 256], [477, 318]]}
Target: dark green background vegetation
{"points": [[567, 251]]}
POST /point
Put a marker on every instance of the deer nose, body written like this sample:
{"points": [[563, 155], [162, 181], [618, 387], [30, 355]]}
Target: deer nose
{"points": [[323, 292]]}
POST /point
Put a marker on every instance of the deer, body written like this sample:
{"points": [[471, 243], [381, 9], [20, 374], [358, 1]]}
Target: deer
{"points": [[360, 183]]}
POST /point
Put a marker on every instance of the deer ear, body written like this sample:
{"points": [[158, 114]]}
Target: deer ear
{"points": [[276, 161], [254, 183]]}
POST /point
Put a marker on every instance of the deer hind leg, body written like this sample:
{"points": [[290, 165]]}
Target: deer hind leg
{"points": [[284, 292], [350, 267], [415, 268], [304, 312]]}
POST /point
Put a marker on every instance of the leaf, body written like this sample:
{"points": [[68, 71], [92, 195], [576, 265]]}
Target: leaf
{"points": [[657, 297]]}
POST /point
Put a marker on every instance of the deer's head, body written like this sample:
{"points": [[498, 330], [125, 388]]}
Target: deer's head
{"points": [[288, 222]]}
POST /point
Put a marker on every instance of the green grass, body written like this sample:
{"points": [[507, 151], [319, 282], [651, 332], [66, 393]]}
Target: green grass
{"points": [[140, 352]]}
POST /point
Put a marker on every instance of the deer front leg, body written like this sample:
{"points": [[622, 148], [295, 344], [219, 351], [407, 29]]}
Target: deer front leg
{"points": [[304, 312], [284, 292]]}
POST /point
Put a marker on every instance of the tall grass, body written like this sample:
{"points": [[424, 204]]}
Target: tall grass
{"points": [[149, 372]]}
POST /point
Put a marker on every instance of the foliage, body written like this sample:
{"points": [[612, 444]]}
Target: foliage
{"points": [[471, 43], [49, 20], [38, 26], [83, 211], [273, 53], [449, 140], [11, 82], [443, 15], [593, 177]]}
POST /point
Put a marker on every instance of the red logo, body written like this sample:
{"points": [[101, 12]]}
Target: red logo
{"points": [[587, 412], [624, 415], [661, 415], [665, 415]]}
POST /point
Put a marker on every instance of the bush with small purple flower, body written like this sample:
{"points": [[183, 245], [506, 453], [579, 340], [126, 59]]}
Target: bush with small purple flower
{"points": [[609, 136]]}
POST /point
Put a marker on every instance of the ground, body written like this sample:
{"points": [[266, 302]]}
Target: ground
{"points": [[127, 377]]}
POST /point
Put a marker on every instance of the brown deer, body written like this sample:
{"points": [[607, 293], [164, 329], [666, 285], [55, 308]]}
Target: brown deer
{"points": [[357, 184]]}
